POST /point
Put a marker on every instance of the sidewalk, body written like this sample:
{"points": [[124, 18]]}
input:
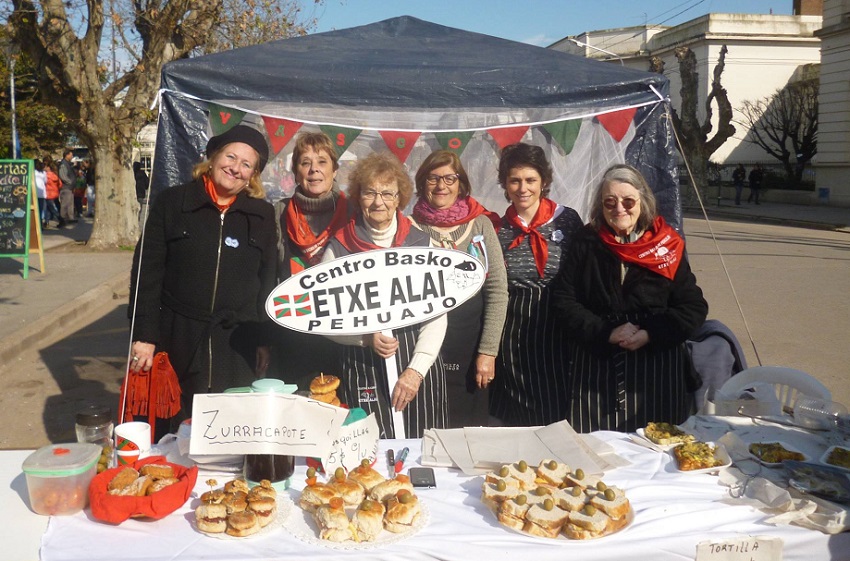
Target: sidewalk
{"points": [[75, 281], [35, 310]]}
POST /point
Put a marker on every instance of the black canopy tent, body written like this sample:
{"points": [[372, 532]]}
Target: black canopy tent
{"points": [[409, 85]]}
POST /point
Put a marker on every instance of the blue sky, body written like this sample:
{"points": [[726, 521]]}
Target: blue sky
{"points": [[537, 22]]}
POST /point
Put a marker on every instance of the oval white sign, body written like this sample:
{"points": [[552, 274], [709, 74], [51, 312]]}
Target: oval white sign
{"points": [[376, 290]]}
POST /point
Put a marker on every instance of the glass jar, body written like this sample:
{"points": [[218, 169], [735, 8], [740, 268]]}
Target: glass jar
{"points": [[94, 424], [277, 468]]}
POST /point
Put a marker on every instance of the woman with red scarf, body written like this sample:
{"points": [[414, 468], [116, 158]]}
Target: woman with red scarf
{"points": [[447, 212], [532, 371], [381, 186], [306, 223], [629, 301]]}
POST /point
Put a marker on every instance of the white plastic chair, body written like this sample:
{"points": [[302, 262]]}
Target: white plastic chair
{"points": [[789, 384]]}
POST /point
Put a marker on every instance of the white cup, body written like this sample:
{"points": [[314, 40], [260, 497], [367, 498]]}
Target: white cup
{"points": [[132, 442]]}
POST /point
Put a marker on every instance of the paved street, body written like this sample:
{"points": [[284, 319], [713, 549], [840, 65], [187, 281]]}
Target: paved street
{"points": [[792, 285]]}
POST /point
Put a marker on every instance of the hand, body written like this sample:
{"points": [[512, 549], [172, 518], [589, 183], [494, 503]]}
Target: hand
{"points": [[623, 332], [264, 355], [485, 370], [636, 341], [384, 346], [142, 357], [406, 389]]}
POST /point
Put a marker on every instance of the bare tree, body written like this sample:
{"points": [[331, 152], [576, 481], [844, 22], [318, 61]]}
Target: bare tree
{"points": [[252, 22], [785, 124], [107, 101], [696, 146]]}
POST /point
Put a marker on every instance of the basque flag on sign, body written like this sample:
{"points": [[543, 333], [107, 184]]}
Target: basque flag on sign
{"points": [[285, 305]]}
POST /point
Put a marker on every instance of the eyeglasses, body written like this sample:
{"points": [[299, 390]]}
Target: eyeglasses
{"points": [[449, 179], [386, 196], [611, 202]]}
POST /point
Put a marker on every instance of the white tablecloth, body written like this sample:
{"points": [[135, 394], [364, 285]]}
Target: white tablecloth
{"points": [[673, 513]]}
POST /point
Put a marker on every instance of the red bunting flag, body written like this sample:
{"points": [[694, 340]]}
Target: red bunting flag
{"points": [[280, 131], [617, 122], [222, 118], [505, 136], [400, 143]]}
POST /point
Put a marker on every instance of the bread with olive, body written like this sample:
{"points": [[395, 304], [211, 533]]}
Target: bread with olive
{"points": [[403, 511], [545, 520]]}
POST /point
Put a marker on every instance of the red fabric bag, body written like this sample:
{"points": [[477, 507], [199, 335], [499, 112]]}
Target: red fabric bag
{"points": [[155, 393], [115, 509]]}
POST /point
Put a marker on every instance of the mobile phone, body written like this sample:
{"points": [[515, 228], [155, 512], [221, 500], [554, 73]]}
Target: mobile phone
{"points": [[422, 477]]}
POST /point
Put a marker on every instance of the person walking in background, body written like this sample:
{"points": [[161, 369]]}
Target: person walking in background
{"points": [[532, 370], [66, 193], [738, 177], [88, 167], [142, 181], [52, 188], [40, 177], [79, 191], [756, 177]]}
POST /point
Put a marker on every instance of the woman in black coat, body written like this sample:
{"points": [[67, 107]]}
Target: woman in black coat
{"points": [[629, 301], [203, 270]]}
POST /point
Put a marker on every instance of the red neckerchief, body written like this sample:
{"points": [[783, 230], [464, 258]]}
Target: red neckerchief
{"points": [[539, 247], [209, 187], [309, 244], [659, 249], [347, 236]]}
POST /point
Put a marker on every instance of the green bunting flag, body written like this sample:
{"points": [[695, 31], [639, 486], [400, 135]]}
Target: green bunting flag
{"points": [[222, 119], [454, 141], [342, 137], [564, 133]]}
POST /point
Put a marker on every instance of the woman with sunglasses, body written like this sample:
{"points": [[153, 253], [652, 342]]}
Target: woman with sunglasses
{"points": [[380, 186], [629, 301], [447, 212], [532, 370]]}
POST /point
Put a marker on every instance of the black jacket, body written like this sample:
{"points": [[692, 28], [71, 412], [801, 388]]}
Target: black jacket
{"points": [[203, 285]]}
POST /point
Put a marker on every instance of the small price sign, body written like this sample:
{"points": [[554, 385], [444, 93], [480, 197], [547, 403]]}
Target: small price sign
{"points": [[355, 442], [744, 548]]}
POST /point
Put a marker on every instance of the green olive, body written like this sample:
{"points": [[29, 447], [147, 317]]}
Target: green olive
{"points": [[501, 485], [553, 465], [589, 510], [522, 466], [365, 463], [367, 504], [339, 474], [520, 499], [601, 486], [405, 498], [610, 494], [311, 472], [579, 474], [576, 491], [548, 504], [504, 471], [540, 491]]}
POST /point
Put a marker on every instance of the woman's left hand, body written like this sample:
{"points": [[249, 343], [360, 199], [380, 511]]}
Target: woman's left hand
{"points": [[635, 341], [406, 389], [263, 358], [485, 370]]}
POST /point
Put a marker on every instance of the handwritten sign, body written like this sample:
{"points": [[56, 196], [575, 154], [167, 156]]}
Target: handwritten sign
{"points": [[262, 423], [376, 290], [356, 441], [15, 196], [745, 548]]}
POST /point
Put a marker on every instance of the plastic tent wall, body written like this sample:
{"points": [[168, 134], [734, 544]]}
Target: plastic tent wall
{"points": [[411, 86]]}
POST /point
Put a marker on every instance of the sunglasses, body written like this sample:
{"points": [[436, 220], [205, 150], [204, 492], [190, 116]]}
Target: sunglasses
{"points": [[611, 202]]}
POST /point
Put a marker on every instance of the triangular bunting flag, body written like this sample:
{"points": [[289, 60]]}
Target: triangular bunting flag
{"points": [[222, 118], [280, 131], [617, 122], [564, 133], [454, 141], [342, 137], [400, 143], [507, 135]]}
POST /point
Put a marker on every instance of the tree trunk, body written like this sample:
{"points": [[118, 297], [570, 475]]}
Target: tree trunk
{"points": [[116, 221]]}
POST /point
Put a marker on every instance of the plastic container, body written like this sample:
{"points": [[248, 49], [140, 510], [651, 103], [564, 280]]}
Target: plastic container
{"points": [[276, 468], [817, 413], [58, 477]]}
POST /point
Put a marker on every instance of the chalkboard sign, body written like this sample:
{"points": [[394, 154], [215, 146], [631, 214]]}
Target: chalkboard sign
{"points": [[15, 207]]}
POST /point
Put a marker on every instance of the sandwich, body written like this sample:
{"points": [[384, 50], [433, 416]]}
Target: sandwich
{"points": [[213, 496], [366, 476], [234, 502], [383, 491], [403, 511], [552, 472], [578, 478], [211, 518], [522, 473], [157, 471], [314, 496], [323, 388], [241, 524], [333, 523], [236, 485], [587, 523], [512, 511], [570, 499], [352, 493], [493, 494], [264, 489], [264, 508], [545, 520], [368, 520], [612, 502]]}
